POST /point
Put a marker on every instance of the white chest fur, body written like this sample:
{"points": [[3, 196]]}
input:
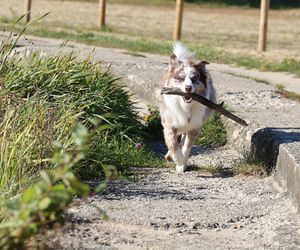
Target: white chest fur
{"points": [[184, 116]]}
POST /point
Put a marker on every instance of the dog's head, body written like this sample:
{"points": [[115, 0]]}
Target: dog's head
{"points": [[187, 73]]}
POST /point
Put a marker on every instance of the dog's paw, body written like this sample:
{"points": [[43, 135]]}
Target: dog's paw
{"points": [[180, 169], [168, 157]]}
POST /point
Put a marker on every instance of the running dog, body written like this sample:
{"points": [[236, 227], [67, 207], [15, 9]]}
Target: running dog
{"points": [[182, 117]]}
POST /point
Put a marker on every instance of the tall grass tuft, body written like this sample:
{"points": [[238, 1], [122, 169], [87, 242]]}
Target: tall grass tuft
{"points": [[61, 77], [43, 97], [27, 131]]}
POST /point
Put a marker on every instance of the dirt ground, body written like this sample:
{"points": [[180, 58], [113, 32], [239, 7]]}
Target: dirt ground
{"points": [[164, 210], [232, 28]]}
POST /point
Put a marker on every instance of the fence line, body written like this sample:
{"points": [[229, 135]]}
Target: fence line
{"points": [[263, 27]]}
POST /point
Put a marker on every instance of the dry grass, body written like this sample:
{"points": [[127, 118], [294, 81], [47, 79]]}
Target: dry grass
{"points": [[232, 28]]}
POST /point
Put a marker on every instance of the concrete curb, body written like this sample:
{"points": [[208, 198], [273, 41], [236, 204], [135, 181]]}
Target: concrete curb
{"points": [[279, 148]]}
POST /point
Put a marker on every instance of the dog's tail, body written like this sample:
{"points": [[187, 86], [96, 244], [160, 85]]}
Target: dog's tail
{"points": [[182, 53]]}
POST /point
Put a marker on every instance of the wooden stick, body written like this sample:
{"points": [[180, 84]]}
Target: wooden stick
{"points": [[263, 25], [102, 13], [27, 10], [178, 20], [217, 107]]}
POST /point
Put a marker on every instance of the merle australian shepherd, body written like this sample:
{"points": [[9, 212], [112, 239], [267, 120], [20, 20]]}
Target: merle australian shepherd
{"points": [[182, 117]]}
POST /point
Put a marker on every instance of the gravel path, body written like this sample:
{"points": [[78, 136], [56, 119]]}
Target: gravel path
{"points": [[194, 210]]}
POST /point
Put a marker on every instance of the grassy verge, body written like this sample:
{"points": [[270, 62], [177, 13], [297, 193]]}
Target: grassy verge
{"points": [[42, 98], [137, 44], [287, 94]]}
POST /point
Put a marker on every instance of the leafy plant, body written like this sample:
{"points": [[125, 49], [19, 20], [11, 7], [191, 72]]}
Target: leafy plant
{"points": [[153, 123], [43, 96], [213, 133], [44, 202]]}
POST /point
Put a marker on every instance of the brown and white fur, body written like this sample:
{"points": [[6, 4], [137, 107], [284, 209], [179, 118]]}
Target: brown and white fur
{"points": [[182, 117]]}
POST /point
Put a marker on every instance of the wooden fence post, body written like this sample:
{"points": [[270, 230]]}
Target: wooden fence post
{"points": [[178, 20], [102, 10], [27, 10], [263, 25]]}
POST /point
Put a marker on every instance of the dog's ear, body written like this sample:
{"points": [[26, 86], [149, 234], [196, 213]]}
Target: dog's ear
{"points": [[201, 68], [201, 65], [173, 61]]}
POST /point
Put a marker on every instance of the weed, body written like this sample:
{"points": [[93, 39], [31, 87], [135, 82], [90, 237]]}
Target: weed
{"points": [[280, 87], [290, 95], [153, 123], [250, 165], [287, 94], [213, 133]]}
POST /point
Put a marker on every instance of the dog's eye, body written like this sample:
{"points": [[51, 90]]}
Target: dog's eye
{"points": [[179, 78], [194, 79]]}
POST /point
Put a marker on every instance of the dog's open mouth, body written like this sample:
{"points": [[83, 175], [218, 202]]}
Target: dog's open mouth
{"points": [[187, 99]]}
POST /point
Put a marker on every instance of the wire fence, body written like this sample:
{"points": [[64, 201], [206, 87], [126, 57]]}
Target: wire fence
{"points": [[232, 28]]}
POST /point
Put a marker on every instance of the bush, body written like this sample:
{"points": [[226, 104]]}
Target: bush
{"points": [[44, 202], [212, 134], [89, 89], [42, 98]]}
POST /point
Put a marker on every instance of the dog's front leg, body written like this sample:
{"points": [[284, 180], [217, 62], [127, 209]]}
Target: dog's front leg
{"points": [[191, 137], [174, 149]]}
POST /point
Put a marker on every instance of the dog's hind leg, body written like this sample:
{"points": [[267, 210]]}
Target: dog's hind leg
{"points": [[174, 152], [191, 137]]}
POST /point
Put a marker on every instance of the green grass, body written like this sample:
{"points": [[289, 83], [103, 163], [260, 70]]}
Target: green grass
{"points": [[41, 99], [287, 94], [250, 165], [213, 133], [137, 44]]}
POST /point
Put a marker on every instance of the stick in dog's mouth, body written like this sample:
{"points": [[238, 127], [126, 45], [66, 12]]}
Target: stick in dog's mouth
{"points": [[188, 97]]}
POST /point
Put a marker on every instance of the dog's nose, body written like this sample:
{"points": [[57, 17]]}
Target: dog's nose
{"points": [[188, 88]]}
